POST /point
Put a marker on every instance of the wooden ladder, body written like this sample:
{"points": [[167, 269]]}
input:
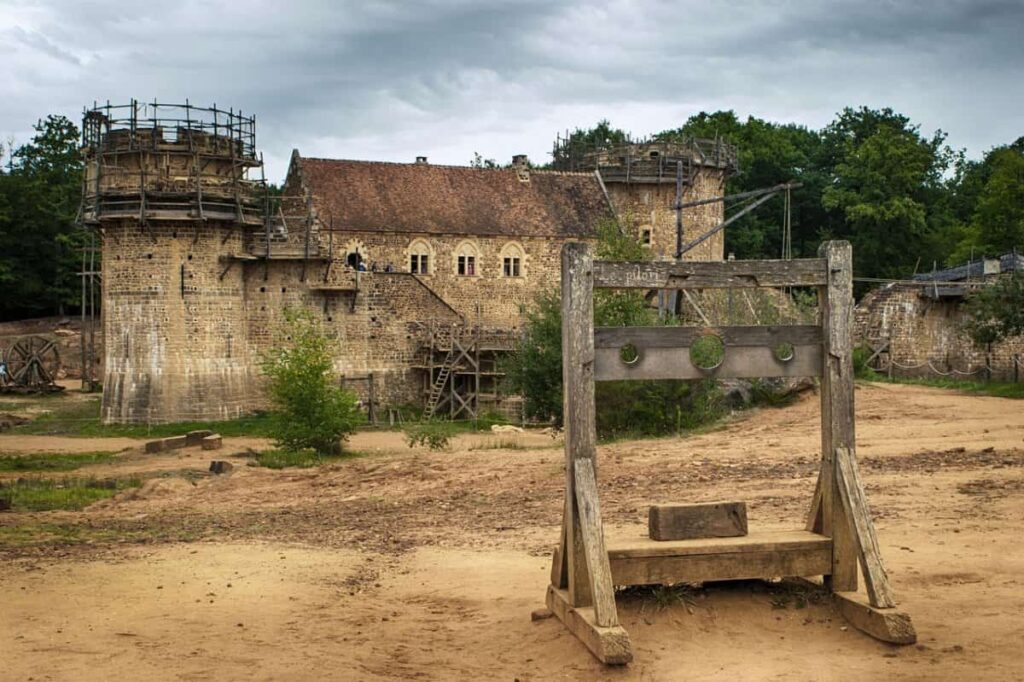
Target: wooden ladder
{"points": [[437, 389]]}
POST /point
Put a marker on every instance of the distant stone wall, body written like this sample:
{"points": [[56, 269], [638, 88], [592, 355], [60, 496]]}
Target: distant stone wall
{"points": [[66, 331], [925, 337]]}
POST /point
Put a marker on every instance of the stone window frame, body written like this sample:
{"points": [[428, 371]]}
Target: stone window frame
{"points": [[513, 250], [421, 247], [646, 236], [470, 250]]}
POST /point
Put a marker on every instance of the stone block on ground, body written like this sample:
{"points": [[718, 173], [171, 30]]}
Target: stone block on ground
{"points": [[196, 437], [212, 441], [219, 466]]}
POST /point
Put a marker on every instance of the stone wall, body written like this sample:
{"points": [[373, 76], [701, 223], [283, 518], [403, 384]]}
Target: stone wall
{"points": [[650, 207], [925, 337], [174, 324]]}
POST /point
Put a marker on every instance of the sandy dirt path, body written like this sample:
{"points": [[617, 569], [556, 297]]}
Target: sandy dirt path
{"points": [[411, 564]]}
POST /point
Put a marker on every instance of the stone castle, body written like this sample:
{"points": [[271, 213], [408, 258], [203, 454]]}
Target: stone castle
{"points": [[421, 273]]}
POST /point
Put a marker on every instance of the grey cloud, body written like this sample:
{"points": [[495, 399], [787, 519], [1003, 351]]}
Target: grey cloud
{"points": [[447, 77]]}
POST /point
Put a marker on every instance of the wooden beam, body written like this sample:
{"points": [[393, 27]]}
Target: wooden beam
{"points": [[737, 362], [602, 590], [683, 337], [796, 553], [610, 645], [886, 625], [837, 417], [578, 396], [855, 502], [711, 274], [693, 521]]}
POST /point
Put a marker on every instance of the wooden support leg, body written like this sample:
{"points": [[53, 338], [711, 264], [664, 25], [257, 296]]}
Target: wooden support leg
{"points": [[887, 625], [610, 645], [602, 591], [855, 503]]}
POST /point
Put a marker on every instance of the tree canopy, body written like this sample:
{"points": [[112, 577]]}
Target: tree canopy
{"points": [[40, 190]]}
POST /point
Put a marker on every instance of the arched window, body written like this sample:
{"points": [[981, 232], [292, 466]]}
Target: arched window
{"points": [[355, 255], [421, 257], [467, 260], [512, 258]]}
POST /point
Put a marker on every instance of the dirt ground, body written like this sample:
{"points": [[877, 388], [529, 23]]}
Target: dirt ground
{"points": [[408, 564]]}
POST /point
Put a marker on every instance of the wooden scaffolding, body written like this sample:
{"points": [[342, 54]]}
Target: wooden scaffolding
{"points": [[839, 533], [461, 370]]}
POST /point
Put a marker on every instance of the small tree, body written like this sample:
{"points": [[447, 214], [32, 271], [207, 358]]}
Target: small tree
{"points": [[311, 411], [996, 312]]}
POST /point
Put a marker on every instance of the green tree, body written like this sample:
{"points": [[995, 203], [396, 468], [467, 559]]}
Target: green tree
{"points": [[886, 189], [583, 141], [39, 240], [312, 411], [996, 312], [997, 224]]}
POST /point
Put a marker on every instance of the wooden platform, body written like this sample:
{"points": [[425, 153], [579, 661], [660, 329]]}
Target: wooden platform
{"points": [[765, 554]]}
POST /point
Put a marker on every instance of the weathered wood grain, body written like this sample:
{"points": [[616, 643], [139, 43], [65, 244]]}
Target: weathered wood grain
{"points": [[887, 625], [775, 563], [602, 591], [610, 645], [692, 521], [710, 275], [578, 397], [738, 362], [837, 425], [855, 502], [683, 337]]}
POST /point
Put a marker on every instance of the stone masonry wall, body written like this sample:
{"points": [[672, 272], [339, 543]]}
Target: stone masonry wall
{"points": [[174, 327], [649, 207], [925, 336]]}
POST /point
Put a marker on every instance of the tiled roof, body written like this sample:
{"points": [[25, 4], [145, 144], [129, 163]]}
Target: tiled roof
{"points": [[427, 198]]}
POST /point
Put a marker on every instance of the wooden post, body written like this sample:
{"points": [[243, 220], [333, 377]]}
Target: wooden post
{"points": [[836, 302], [372, 398], [578, 402]]}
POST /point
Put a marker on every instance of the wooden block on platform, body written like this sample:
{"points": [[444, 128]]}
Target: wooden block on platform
{"points": [[171, 443], [610, 645], [693, 521]]}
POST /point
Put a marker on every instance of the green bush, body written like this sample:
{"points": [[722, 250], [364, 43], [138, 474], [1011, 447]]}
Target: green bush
{"points": [[861, 369], [312, 412], [436, 435]]}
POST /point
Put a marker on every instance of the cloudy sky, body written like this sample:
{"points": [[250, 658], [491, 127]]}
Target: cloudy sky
{"points": [[376, 79]]}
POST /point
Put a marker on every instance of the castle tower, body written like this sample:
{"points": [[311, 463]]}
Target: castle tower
{"points": [[167, 188], [642, 180]]}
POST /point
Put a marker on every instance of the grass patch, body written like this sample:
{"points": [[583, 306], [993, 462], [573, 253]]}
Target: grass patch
{"points": [[506, 444], [67, 494], [998, 389], [51, 462], [81, 418], [300, 459]]}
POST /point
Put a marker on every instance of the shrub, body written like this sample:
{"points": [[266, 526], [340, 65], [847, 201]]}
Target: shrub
{"points": [[861, 369], [312, 413], [436, 435]]}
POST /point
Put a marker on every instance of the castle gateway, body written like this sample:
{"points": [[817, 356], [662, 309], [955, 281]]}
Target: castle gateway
{"points": [[421, 273]]}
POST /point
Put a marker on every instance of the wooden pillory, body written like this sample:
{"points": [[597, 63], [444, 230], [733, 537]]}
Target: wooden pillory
{"points": [[839, 532]]}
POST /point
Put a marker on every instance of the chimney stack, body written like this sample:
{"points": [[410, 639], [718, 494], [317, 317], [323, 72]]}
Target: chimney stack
{"points": [[421, 160], [521, 165]]}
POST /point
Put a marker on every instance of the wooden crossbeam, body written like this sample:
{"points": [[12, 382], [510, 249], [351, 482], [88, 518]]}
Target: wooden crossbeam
{"points": [[682, 337], [711, 274], [737, 362]]}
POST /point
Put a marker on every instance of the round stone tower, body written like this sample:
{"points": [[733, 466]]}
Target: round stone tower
{"points": [[167, 188], [645, 180]]}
